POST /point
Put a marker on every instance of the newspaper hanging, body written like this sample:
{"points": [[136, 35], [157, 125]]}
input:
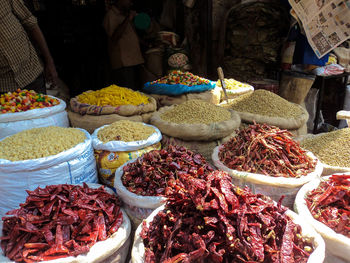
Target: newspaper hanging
{"points": [[326, 22]]}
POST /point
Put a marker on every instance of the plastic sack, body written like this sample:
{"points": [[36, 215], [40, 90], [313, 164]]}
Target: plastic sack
{"points": [[12, 123], [137, 207], [273, 187], [114, 249], [329, 70], [122, 146], [317, 256], [107, 162], [336, 244], [176, 89], [73, 166]]}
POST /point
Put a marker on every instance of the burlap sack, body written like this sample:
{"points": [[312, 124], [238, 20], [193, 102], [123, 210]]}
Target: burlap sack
{"points": [[91, 122], [123, 110], [195, 132], [212, 96]]}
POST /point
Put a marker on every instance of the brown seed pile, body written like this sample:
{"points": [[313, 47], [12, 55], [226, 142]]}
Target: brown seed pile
{"points": [[265, 103], [124, 130], [332, 148], [196, 112]]}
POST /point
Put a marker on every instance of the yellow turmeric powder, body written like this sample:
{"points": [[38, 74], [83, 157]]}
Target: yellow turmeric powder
{"points": [[113, 96]]}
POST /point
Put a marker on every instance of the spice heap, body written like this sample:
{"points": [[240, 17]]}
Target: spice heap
{"points": [[183, 78], [330, 203], [196, 111], [232, 84], [332, 148], [127, 131], [39, 142], [59, 221], [113, 96], [150, 173], [211, 220], [263, 102], [24, 100], [268, 150]]}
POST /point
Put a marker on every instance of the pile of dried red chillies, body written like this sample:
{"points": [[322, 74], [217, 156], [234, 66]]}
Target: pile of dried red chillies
{"points": [[59, 221], [330, 203], [211, 220], [149, 174], [266, 150]]}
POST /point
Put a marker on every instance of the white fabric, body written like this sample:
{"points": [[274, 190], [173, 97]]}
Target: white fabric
{"points": [[102, 249], [121, 146], [12, 123], [271, 186], [76, 165], [317, 256], [336, 244]]}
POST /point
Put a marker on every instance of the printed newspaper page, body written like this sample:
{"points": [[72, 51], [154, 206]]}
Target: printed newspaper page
{"points": [[326, 22]]}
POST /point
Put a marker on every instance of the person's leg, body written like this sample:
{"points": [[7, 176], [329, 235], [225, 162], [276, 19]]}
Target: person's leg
{"points": [[38, 85], [125, 77]]}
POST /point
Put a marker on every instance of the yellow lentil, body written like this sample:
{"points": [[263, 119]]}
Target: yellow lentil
{"points": [[232, 84], [124, 130], [195, 112]]}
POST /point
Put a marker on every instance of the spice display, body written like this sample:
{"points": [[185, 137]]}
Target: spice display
{"points": [[266, 103], [150, 173], [126, 131], [24, 100], [267, 150], [211, 220], [59, 221], [332, 148], [183, 78], [39, 142], [232, 84], [330, 203], [196, 111], [113, 96]]}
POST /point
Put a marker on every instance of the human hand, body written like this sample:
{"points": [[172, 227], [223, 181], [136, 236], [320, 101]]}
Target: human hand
{"points": [[50, 73]]}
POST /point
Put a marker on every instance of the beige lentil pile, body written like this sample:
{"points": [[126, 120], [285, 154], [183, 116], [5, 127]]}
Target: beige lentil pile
{"points": [[332, 148], [127, 131], [39, 142], [265, 103], [196, 111]]}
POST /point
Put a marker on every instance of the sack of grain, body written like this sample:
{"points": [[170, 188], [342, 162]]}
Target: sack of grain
{"points": [[332, 148], [234, 88], [263, 106], [43, 156], [196, 120], [12, 123], [337, 245], [134, 141], [112, 250]]}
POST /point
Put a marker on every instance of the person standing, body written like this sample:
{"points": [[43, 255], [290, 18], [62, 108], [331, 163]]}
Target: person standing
{"points": [[20, 66], [123, 45]]}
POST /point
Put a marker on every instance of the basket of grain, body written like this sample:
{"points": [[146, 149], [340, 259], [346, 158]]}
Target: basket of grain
{"points": [[332, 148], [119, 142], [195, 123], [263, 106], [323, 203], [269, 161], [93, 109], [42, 156]]}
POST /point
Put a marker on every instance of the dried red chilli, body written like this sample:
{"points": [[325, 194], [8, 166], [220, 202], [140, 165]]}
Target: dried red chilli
{"points": [[59, 221], [149, 174], [211, 220], [329, 203], [268, 150]]}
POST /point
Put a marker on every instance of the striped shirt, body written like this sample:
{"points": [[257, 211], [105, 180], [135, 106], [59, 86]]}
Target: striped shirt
{"points": [[19, 62]]}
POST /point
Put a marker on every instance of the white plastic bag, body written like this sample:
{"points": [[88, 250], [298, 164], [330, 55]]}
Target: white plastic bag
{"points": [[138, 207], [114, 249], [317, 256], [12, 123], [336, 244], [121, 146], [73, 166], [271, 186]]}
